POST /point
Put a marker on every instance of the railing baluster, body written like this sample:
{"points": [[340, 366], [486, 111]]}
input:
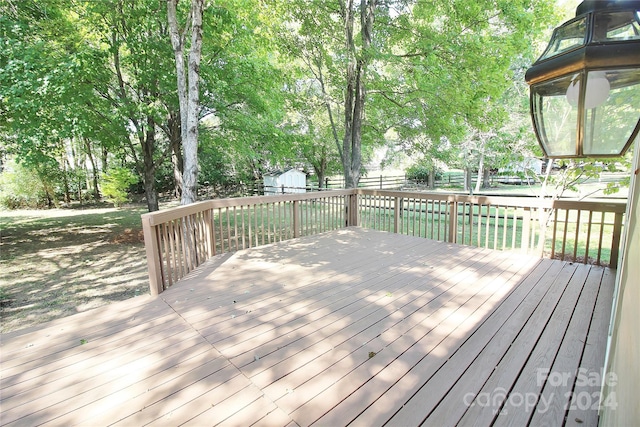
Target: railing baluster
{"points": [[564, 232], [602, 219], [173, 247], [496, 225], [524, 243], [479, 228], [555, 231], [503, 216], [443, 212], [181, 247], [275, 221], [586, 249], [513, 230], [577, 240], [262, 233]]}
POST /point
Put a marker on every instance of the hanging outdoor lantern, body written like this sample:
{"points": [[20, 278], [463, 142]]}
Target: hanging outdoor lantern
{"points": [[600, 46]]}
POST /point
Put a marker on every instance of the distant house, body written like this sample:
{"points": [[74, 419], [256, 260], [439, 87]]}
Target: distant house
{"points": [[285, 182]]}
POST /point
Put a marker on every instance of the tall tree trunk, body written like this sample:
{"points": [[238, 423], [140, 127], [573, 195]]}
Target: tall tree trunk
{"points": [[355, 93], [467, 179], [65, 179], [94, 169], [177, 159], [104, 159], [320, 168], [188, 92], [148, 148], [480, 173], [486, 181]]}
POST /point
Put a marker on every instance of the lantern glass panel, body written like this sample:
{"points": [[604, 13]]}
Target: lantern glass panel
{"points": [[555, 118], [567, 37], [608, 127], [617, 26]]}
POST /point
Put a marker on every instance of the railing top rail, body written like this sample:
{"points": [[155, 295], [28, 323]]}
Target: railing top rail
{"points": [[608, 206], [160, 217], [525, 202]]}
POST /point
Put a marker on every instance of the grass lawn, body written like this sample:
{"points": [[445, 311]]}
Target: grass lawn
{"points": [[62, 261], [59, 262]]}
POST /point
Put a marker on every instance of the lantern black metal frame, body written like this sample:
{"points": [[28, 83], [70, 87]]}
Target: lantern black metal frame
{"points": [[596, 52]]}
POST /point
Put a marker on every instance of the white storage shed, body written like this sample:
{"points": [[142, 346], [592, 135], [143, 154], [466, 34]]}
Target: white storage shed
{"points": [[283, 182]]}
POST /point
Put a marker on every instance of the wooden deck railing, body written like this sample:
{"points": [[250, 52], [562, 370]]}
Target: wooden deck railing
{"points": [[582, 231], [178, 240]]}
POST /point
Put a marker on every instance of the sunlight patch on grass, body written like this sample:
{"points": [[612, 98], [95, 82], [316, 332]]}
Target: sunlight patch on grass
{"points": [[59, 262]]}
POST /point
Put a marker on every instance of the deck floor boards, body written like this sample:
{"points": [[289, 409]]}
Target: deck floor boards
{"points": [[350, 327]]}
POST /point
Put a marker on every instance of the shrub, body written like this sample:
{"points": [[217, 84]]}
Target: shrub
{"points": [[21, 188], [115, 185], [420, 173]]}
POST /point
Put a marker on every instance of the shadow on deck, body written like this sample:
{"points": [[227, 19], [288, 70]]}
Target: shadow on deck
{"points": [[349, 327]]}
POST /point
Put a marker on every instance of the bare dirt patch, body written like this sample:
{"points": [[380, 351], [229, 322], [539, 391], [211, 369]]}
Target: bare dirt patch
{"points": [[59, 262], [129, 236]]}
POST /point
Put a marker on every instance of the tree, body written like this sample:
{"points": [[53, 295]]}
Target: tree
{"points": [[454, 60], [104, 79], [116, 183], [358, 61], [138, 83], [429, 71], [46, 95], [317, 148], [188, 90], [334, 41]]}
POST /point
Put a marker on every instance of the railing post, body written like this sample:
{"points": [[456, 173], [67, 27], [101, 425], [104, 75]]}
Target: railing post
{"points": [[453, 221], [296, 218], [152, 248], [615, 241], [351, 209], [397, 207]]}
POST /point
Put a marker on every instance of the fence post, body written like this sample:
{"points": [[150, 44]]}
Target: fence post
{"points": [[296, 218], [615, 241], [152, 248]]}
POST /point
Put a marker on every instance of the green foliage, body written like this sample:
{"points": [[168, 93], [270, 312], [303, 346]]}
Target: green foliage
{"points": [[440, 73], [571, 174], [216, 169], [622, 164], [21, 188], [420, 172], [116, 183]]}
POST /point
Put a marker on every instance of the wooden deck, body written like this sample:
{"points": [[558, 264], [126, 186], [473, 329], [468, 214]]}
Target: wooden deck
{"points": [[351, 327]]}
